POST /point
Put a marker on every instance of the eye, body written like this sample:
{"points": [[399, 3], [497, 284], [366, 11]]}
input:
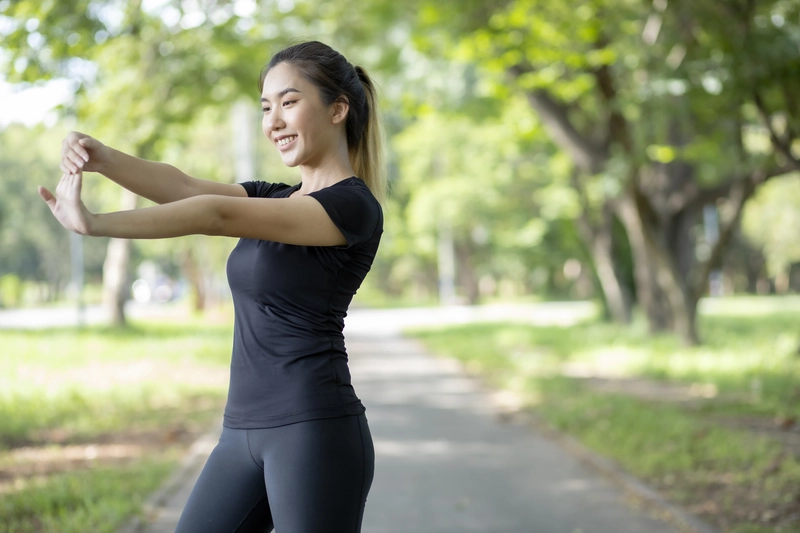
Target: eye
{"points": [[264, 109], [289, 102]]}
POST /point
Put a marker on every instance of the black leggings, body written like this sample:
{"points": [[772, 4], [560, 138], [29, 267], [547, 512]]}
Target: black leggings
{"points": [[308, 477]]}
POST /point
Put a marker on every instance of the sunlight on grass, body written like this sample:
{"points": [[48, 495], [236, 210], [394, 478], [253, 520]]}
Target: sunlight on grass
{"points": [[754, 357], [694, 422], [92, 420], [749, 306], [99, 500], [102, 379]]}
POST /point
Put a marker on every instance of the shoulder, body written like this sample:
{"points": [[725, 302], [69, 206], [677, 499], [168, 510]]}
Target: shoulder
{"points": [[264, 189], [351, 194], [353, 209]]}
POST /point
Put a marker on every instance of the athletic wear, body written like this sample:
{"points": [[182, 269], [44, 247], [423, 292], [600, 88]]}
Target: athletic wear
{"points": [[317, 475], [295, 452], [289, 362]]}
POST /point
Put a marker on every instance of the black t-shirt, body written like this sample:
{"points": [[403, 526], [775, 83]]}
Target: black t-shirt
{"points": [[289, 362]]}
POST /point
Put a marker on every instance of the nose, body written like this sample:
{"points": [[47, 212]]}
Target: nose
{"points": [[273, 121]]}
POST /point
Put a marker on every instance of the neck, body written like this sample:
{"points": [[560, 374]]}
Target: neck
{"points": [[332, 168]]}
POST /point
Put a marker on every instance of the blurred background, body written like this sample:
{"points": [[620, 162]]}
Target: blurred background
{"points": [[637, 154], [640, 156]]}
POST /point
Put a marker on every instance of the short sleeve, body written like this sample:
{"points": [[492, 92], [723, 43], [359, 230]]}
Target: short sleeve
{"points": [[354, 210], [261, 189]]}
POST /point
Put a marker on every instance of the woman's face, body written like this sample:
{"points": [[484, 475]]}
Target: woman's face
{"points": [[303, 129]]}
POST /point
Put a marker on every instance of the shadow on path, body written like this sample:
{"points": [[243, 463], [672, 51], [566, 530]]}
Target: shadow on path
{"points": [[445, 463]]}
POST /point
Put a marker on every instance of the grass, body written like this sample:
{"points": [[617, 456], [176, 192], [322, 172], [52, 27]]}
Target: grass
{"points": [[98, 500], [92, 420], [709, 451]]}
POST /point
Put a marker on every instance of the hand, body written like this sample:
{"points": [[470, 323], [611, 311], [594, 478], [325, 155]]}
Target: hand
{"points": [[67, 205], [80, 152]]}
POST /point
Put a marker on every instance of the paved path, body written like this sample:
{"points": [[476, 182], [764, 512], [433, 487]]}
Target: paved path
{"points": [[446, 464], [379, 322]]}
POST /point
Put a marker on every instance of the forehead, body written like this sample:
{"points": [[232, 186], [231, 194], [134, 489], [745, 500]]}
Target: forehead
{"points": [[282, 76]]}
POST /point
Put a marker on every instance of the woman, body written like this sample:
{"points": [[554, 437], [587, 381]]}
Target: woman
{"points": [[295, 452]]}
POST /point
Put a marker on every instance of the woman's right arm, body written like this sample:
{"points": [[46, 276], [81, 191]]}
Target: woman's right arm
{"points": [[159, 182]]}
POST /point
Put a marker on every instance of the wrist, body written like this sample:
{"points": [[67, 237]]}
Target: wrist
{"points": [[91, 225], [106, 165]]}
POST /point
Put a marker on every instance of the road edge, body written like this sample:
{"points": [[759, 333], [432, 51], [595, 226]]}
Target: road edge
{"points": [[193, 460], [610, 469]]}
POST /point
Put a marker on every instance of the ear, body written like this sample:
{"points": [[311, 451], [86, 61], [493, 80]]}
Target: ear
{"points": [[340, 109]]}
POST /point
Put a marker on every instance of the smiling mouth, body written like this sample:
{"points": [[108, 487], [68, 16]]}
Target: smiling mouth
{"points": [[285, 140]]}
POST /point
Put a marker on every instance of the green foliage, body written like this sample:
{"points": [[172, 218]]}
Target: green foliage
{"points": [[34, 245], [100, 499], [100, 380], [750, 343], [157, 80], [96, 385], [488, 177], [468, 150], [771, 220], [10, 290], [694, 450], [668, 97]]}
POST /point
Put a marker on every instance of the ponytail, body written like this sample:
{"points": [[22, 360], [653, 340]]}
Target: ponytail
{"points": [[367, 157]]}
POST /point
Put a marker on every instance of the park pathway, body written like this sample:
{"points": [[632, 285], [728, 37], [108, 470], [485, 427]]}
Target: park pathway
{"points": [[445, 462]]}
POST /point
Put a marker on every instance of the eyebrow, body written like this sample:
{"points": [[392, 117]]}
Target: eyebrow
{"points": [[282, 93]]}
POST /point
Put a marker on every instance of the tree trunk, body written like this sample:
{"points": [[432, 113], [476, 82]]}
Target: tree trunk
{"points": [[661, 289], [648, 293], [196, 278], [115, 270], [598, 239], [466, 273]]}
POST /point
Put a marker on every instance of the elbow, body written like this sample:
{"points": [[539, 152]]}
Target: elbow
{"points": [[217, 217]]}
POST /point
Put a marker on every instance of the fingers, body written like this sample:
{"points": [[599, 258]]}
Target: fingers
{"points": [[74, 153], [86, 142], [77, 184], [47, 196], [69, 188], [71, 162]]}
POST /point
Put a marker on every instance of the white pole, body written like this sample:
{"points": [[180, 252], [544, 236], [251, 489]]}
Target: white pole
{"points": [[447, 264], [76, 256], [243, 122], [711, 228]]}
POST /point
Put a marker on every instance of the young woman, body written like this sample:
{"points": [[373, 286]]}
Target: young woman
{"points": [[295, 453]]}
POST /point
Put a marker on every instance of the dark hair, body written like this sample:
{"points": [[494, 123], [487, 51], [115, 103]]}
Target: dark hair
{"points": [[336, 78]]}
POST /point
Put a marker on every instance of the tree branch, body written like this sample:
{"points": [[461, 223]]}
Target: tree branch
{"points": [[694, 197], [585, 154], [617, 125], [782, 145], [739, 192]]}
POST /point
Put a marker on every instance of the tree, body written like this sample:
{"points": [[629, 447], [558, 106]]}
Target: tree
{"points": [[144, 71], [653, 105], [33, 244], [466, 177], [771, 221]]}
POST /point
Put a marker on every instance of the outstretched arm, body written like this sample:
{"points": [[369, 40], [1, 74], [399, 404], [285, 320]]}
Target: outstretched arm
{"points": [[301, 220], [159, 182]]}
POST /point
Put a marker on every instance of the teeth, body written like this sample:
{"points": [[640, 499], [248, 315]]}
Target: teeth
{"points": [[286, 140]]}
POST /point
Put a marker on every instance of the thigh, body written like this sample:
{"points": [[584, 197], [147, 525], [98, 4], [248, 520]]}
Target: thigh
{"points": [[318, 474], [229, 496]]}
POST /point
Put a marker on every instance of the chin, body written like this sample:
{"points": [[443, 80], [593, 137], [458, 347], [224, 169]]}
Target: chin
{"points": [[291, 163]]}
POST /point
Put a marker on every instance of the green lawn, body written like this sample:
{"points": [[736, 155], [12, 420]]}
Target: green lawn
{"points": [[712, 447], [92, 420]]}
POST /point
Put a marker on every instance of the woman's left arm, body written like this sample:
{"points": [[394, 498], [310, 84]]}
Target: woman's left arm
{"points": [[301, 220]]}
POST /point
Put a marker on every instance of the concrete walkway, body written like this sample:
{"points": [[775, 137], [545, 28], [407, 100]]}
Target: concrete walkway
{"points": [[445, 462]]}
